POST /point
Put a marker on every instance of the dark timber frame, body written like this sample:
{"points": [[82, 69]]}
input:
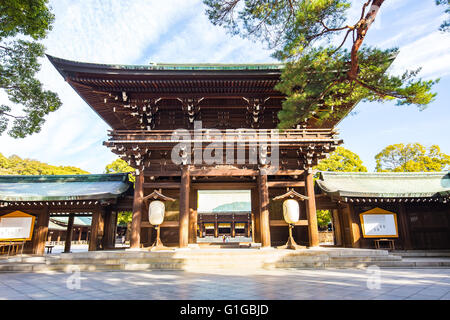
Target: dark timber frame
{"points": [[144, 105], [101, 196]]}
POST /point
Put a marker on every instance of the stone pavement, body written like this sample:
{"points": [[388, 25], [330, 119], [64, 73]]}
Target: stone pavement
{"points": [[394, 284]]}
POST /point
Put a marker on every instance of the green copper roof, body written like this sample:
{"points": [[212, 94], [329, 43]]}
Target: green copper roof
{"points": [[63, 187], [205, 66], [77, 221], [385, 184], [152, 66]]}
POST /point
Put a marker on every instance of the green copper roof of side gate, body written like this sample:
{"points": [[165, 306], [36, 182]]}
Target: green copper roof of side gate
{"points": [[385, 184], [63, 187]]}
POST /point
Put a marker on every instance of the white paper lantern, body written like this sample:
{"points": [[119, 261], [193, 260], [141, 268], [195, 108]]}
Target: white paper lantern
{"points": [[291, 211], [156, 211]]}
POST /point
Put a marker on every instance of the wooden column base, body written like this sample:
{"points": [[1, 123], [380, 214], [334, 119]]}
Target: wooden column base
{"points": [[158, 245], [291, 244]]}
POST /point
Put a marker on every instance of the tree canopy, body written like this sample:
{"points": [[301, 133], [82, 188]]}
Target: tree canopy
{"points": [[412, 158], [321, 81], [22, 24], [14, 165], [120, 166], [445, 26], [342, 160]]}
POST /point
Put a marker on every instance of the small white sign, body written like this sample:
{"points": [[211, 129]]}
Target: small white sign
{"points": [[379, 225], [15, 227]]}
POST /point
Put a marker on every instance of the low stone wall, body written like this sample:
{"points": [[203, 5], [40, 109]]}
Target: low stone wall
{"points": [[326, 236]]}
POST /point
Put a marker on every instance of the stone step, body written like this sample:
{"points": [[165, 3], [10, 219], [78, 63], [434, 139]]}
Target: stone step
{"points": [[203, 259], [116, 261], [41, 267], [365, 258], [422, 253], [89, 267]]}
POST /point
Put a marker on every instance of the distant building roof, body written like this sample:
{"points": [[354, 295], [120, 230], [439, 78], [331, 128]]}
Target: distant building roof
{"points": [[63, 187], [60, 223], [54, 226], [385, 184]]}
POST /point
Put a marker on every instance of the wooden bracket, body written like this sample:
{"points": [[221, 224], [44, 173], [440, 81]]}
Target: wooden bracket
{"points": [[291, 194]]}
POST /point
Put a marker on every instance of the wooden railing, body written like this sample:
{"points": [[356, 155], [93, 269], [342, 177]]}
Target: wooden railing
{"points": [[214, 135]]}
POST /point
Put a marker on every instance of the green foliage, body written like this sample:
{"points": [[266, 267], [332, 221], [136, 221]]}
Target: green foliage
{"points": [[285, 25], [323, 218], [15, 165], [22, 23], [342, 160], [120, 166], [412, 158], [124, 218], [320, 82], [445, 26]]}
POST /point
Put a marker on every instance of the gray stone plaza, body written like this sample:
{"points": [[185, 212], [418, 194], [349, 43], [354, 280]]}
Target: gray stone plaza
{"points": [[342, 284]]}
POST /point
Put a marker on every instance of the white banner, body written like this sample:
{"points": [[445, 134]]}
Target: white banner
{"points": [[15, 227], [379, 225]]}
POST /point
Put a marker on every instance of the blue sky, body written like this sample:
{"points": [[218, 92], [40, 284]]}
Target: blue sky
{"points": [[144, 31]]}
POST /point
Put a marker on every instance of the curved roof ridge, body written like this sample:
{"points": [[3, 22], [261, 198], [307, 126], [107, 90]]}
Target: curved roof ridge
{"points": [[385, 184], [171, 66], [98, 177]]}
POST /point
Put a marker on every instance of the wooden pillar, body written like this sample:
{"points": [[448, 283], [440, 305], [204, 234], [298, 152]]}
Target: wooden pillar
{"points": [[311, 214], [216, 229], [200, 230], [41, 232], [138, 203], [97, 227], [264, 210], [193, 222], [184, 207], [248, 226], [256, 221], [80, 231], [108, 242], [353, 225], [233, 229], [69, 233], [405, 231], [146, 233], [338, 240]]}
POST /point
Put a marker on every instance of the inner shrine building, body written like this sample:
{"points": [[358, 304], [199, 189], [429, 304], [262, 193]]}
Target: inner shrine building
{"points": [[191, 128]]}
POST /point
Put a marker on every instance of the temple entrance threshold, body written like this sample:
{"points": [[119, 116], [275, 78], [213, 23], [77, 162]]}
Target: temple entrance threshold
{"points": [[224, 217]]}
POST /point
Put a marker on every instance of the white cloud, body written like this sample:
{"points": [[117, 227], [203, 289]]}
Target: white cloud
{"points": [[201, 41], [431, 52], [140, 31], [117, 32]]}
